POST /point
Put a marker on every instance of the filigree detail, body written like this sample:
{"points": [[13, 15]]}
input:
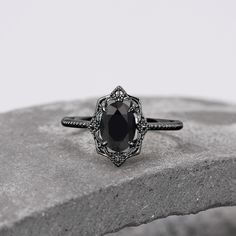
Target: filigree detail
{"points": [[118, 158], [135, 107], [142, 126], [118, 94], [94, 124]]}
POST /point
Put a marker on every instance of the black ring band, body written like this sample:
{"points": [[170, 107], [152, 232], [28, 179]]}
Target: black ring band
{"points": [[153, 124], [76, 121]]}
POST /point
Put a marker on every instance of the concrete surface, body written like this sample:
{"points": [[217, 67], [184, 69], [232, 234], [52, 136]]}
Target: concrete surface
{"points": [[52, 182], [214, 222]]}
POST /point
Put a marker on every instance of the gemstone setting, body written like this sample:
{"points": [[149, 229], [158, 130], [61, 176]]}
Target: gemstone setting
{"points": [[118, 126]]}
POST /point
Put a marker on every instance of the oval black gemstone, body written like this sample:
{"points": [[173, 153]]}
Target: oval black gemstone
{"points": [[118, 125]]}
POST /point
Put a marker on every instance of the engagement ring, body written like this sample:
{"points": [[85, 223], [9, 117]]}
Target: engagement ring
{"points": [[119, 126]]}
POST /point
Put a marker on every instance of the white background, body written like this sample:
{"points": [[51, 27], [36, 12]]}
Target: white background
{"points": [[58, 50]]}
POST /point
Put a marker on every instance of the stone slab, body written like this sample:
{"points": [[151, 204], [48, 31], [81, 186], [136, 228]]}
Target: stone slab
{"points": [[52, 182], [214, 222]]}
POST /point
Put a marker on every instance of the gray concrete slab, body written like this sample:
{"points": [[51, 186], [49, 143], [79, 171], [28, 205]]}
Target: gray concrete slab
{"points": [[52, 182], [214, 222]]}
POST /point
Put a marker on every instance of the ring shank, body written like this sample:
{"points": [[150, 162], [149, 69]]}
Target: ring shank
{"points": [[164, 124], [76, 121], [153, 124]]}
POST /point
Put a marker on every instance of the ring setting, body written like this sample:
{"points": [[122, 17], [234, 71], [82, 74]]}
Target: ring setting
{"points": [[119, 126]]}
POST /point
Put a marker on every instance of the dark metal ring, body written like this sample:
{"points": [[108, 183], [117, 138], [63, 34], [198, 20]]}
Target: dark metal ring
{"points": [[153, 124], [118, 125]]}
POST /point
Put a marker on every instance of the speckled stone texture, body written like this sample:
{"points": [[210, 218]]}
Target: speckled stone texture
{"points": [[52, 182], [213, 222]]}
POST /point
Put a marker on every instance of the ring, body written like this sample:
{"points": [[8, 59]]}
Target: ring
{"points": [[119, 126]]}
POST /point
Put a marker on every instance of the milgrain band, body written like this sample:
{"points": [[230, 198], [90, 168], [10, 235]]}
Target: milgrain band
{"points": [[164, 124], [153, 124], [76, 121]]}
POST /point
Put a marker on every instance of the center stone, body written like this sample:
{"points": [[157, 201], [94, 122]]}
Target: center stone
{"points": [[118, 125]]}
